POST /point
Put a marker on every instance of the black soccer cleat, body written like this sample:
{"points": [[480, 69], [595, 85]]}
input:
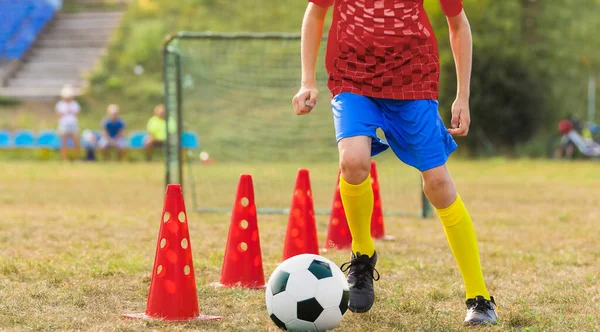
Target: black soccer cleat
{"points": [[481, 311], [361, 273]]}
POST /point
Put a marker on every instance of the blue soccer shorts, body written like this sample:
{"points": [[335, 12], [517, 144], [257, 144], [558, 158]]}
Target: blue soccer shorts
{"points": [[413, 128]]}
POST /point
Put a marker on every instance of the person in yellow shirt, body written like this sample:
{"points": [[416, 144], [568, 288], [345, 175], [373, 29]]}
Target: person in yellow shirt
{"points": [[157, 131]]}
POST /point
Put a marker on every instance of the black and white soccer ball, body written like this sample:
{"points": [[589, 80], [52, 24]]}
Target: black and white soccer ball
{"points": [[307, 293]]}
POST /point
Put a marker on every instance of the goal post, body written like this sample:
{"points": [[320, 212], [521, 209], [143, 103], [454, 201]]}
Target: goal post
{"points": [[234, 90]]}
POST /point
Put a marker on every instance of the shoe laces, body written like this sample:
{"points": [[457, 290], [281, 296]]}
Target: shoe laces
{"points": [[362, 270], [480, 304]]}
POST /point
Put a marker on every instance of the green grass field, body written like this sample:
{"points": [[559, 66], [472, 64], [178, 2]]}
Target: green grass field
{"points": [[77, 245]]}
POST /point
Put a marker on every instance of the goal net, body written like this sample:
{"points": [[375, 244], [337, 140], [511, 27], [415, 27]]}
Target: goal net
{"points": [[234, 91]]}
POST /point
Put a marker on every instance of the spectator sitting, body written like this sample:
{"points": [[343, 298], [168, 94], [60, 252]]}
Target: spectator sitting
{"points": [[157, 131], [113, 135], [89, 141], [68, 126]]}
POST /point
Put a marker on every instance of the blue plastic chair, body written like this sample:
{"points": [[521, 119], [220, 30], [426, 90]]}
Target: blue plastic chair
{"points": [[5, 141], [136, 139], [15, 31], [24, 139], [48, 139], [189, 140], [25, 21]]}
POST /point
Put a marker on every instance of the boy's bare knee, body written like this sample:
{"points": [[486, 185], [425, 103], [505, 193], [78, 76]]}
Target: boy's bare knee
{"points": [[355, 169], [439, 188], [436, 184]]}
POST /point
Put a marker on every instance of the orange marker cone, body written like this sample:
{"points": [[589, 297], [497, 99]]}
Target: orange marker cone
{"points": [[377, 228], [172, 295], [301, 235], [242, 266], [338, 232]]}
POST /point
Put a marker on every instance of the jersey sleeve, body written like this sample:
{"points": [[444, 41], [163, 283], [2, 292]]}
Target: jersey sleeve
{"points": [[76, 108], [451, 7], [322, 3]]}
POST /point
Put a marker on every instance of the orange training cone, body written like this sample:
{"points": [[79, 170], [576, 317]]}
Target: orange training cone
{"points": [[242, 265], [338, 232], [301, 235], [172, 295], [377, 229]]}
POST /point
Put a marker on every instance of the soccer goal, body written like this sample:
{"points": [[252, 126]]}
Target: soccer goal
{"points": [[234, 91]]}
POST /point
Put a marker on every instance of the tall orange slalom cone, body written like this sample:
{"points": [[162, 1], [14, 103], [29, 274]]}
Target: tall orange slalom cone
{"points": [[242, 265], [377, 228], [301, 235], [338, 232], [173, 295]]}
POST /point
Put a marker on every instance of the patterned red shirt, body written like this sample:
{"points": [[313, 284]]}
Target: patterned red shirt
{"points": [[384, 48]]}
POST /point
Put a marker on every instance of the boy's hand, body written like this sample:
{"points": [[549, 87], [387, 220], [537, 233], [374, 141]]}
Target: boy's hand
{"points": [[461, 118], [305, 100]]}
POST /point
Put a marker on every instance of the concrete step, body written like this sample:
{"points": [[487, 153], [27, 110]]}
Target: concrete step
{"points": [[92, 14], [85, 26], [53, 74], [66, 52], [62, 71], [85, 23], [99, 17], [59, 74], [44, 82], [53, 66], [78, 33], [62, 29], [79, 58], [67, 74], [53, 71], [89, 14], [72, 43], [57, 62], [34, 92], [75, 37], [57, 27]]}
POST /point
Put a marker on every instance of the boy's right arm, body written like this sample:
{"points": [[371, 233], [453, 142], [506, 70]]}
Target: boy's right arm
{"points": [[104, 130], [312, 34]]}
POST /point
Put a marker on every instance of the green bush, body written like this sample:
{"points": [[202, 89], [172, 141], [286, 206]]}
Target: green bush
{"points": [[8, 101], [113, 83], [145, 89], [507, 99]]}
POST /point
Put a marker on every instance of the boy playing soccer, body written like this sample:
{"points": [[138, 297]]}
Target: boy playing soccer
{"points": [[383, 72]]}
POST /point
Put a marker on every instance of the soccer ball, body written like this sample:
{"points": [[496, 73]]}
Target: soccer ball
{"points": [[307, 293]]}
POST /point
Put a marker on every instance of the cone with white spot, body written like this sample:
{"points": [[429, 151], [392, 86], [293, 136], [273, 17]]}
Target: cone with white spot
{"points": [[242, 264], [173, 295]]}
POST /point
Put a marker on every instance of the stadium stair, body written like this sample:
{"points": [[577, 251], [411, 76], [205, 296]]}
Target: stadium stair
{"points": [[68, 48]]}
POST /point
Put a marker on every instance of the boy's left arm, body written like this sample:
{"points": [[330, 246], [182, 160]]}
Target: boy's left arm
{"points": [[462, 49]]}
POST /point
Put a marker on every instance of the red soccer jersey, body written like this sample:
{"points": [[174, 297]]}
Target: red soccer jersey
{"points": [[384, 48]]}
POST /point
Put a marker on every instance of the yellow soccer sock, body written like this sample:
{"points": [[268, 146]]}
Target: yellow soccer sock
{"points": [[461, 237], [358, 205]]}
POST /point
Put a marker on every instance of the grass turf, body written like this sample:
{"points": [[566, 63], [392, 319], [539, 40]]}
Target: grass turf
{"points": [[77, 244]]}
